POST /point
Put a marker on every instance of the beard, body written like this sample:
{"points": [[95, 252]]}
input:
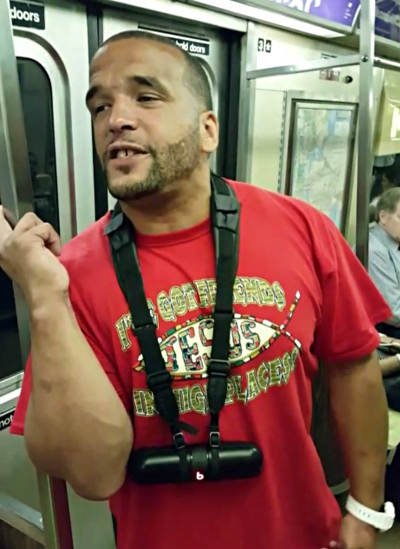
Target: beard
{"points": [[169, 163]]}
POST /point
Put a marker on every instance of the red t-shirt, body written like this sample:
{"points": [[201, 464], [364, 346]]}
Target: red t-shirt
{"points": [[300, 295]]}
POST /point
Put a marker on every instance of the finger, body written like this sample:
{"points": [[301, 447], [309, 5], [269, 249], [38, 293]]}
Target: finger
{"points": [[28, 221], [5, 226], [48, 234], [10, 218]]}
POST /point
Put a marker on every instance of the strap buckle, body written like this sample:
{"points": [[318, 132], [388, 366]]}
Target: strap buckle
{"points": [[214, 439], [226, 204], [218, 367], [179, 440], [158, 380], [144, 327]]}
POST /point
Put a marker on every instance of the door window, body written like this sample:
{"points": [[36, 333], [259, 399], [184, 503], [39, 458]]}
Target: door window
{"points": [[38, 115]]}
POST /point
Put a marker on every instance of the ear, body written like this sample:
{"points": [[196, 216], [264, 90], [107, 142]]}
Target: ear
{"points": [[209, 132], [383, 215]]}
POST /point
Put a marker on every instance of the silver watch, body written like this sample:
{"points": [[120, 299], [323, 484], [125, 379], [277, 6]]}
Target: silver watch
{"points": [[381, 520]]}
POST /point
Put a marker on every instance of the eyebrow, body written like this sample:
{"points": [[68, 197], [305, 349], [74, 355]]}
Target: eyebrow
{"points": [[93, 90], [148, 81]]}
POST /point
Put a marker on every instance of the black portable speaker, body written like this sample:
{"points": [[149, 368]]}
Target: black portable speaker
{"points": [[230, 460]]}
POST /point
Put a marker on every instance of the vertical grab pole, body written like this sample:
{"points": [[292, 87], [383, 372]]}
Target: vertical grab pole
{"points": [[16, 195], [365, 164], [15, 180]]}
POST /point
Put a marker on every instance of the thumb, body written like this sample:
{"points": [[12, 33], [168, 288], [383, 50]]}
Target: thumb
{"points": [[6, 222]]}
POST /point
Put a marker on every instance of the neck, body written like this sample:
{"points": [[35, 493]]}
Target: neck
{"points": [[391, 237], [180, 205]]}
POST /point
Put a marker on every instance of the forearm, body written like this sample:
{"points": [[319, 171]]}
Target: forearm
{"points": [[76, 426], [360, 411]]}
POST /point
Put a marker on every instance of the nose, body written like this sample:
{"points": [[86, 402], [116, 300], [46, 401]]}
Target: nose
{"points": [[123, 115]]}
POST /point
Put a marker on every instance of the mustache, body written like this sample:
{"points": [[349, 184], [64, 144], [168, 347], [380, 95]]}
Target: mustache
{"points": [[149, 149]]}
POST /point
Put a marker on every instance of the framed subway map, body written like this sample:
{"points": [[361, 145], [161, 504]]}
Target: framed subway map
{"points": [[320, 155]]}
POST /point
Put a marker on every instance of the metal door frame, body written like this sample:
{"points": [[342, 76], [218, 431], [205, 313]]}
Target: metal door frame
{"points": [[52, 525]]}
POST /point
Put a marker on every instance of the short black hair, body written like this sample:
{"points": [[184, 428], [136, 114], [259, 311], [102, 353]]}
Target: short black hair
{"points": [[390, 172], [195, 77]]}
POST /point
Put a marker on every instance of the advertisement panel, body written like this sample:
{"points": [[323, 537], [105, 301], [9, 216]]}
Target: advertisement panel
{"points": [[345, 13], [334, 11]]}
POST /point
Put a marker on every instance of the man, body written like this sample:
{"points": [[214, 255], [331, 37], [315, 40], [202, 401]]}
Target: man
{"points": [[384, 256], [298, 294]]}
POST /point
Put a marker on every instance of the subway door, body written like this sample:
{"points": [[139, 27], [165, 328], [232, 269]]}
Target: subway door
{"points": [[51, 47], [212, 47]]}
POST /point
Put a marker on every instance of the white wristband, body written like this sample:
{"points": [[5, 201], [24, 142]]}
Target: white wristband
{"points": [[382, 521]]}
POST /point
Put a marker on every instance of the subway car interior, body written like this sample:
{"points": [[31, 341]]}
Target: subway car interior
{"points": [[307, 94]]}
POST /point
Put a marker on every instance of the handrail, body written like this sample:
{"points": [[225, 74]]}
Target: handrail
{"points": [[16, 194], [365, 126], [307, 66], [389, 64], [15, 181], [321, 64]]}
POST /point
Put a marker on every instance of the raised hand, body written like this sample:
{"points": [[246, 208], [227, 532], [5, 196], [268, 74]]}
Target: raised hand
{"points": [[28, 254]]}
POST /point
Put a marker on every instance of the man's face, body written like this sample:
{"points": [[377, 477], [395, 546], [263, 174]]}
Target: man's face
{"points": [[146, 121], [390, 221]]}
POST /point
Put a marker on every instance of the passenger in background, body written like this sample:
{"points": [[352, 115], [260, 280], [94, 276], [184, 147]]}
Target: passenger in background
{"points": [[300, 296], [384, 256], [389, 361], [385, 178]]}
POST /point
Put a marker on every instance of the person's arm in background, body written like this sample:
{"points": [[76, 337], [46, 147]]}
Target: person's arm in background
{"points": [[76, 426], [390, 365], [382, 272], [389, 355], [359, 409]]}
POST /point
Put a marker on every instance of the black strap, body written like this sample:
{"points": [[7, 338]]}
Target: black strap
{"points": [[131, 283], [225, 222]]}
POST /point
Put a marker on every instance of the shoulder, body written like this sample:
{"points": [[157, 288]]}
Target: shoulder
{"points": [[280, 208], [88, 248], [247, 192], [377, 246]]}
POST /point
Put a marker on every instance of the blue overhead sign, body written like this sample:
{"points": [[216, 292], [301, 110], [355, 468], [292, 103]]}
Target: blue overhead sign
{"points": [[335, 11], [345, 12]]}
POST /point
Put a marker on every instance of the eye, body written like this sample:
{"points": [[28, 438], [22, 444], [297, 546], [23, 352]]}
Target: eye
{"points": [[147, 98], [99, 108]]}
